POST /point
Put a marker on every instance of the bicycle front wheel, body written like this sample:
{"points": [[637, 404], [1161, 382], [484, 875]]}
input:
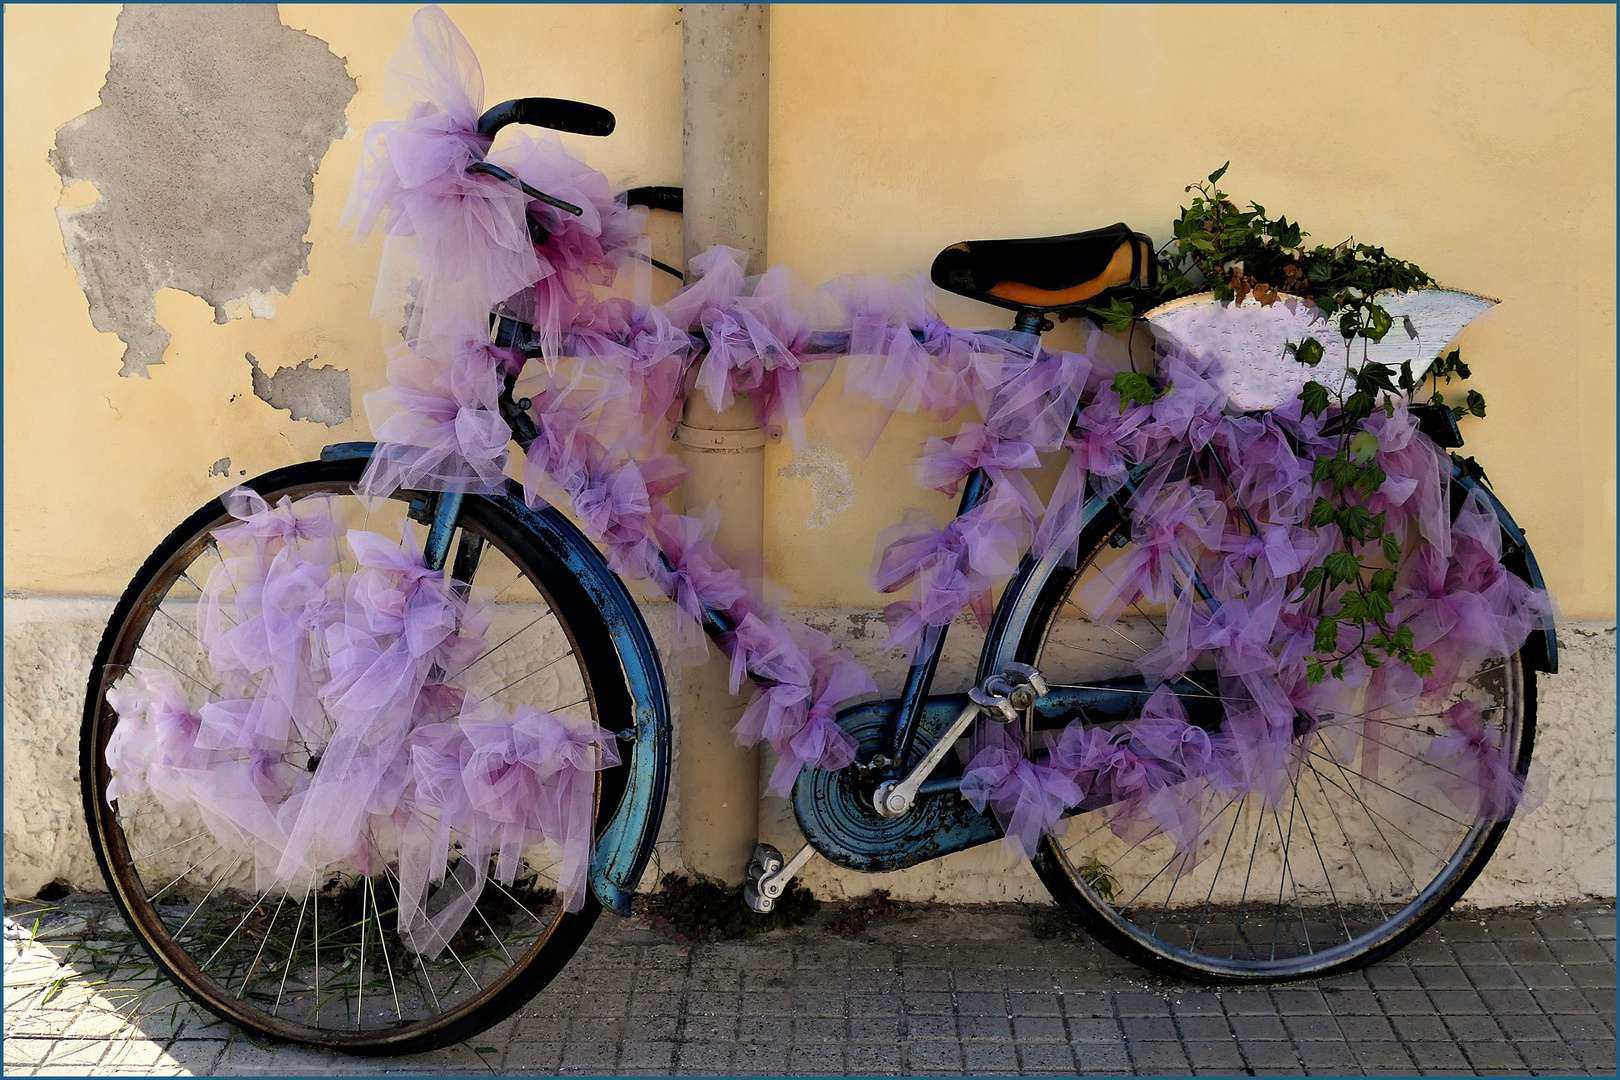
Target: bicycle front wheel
{"points": [[321, 961], [1359, 852]]}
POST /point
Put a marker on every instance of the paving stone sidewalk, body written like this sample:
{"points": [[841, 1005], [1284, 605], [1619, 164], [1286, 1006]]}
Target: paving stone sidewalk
{"points": [[933, 990]]}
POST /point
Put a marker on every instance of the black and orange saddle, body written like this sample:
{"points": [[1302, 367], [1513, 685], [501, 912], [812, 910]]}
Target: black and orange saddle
{"points": [[1049, 273]]}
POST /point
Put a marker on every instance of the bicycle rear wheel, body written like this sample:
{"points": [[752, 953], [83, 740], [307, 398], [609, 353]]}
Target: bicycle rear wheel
{"points": [[1361, 852], [323, 963]]}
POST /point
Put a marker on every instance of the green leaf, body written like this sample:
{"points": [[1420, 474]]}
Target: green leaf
{"points": [[1342, 567], [1476, 403], [1363, 447], [1359, 405], [1354, 522], [1392, 548], [1327, 634], [1118, 315], [1308, 351], [1421, 663], [1406, 382], [1310, 583], [1220, 172], [1379, 605], [1322, 513], [1338, 671], [1315, 672], [1383, 580], [1133, 386], [1381, 322], [1315, 397]]}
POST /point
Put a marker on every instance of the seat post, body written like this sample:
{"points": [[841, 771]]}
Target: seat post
{"points": [[1031, 321]]}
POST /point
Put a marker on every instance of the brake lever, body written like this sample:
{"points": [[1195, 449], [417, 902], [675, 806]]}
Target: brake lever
{"points": [[501, 174]]}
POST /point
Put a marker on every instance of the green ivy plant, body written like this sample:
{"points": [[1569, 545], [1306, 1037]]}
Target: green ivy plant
{"points": [[1237, 253]]}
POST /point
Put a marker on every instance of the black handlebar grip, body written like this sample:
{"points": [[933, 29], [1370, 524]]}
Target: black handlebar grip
{"points": [[559, 114]]}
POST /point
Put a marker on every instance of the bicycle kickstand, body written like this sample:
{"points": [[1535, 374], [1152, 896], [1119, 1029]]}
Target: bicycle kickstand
{"points": [[768, 876]]}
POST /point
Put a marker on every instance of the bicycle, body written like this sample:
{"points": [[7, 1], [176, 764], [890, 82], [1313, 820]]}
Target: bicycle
{"points": [[1399, 858]]}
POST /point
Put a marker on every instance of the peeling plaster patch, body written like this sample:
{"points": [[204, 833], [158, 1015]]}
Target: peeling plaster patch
{"points": [[203, 152], [831, 485], [319, 395], [222, 467]]}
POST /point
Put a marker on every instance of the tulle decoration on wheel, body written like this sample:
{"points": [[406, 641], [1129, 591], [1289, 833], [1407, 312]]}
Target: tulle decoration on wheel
{"points": [[344, 734]]}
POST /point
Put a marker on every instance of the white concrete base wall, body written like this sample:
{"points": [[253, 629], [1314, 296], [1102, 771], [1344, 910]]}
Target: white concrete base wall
{"points": [[1563, 851]]}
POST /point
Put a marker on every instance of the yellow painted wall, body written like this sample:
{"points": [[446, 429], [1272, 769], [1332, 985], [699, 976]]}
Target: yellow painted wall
{"points": [[1478, 142]]}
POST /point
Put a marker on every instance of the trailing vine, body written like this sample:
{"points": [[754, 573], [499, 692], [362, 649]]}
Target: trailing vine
{"points": [[1235, 254]]}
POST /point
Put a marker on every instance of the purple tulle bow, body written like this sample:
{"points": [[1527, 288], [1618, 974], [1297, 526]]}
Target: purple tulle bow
{"points": [[1027, 799]]}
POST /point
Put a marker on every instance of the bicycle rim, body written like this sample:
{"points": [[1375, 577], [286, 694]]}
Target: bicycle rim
{"points": [[321, 962], [1354, 857]]}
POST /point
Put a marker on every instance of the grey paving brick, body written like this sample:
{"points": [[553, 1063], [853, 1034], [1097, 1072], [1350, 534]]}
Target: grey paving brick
{"points": [[1030, 1029], [1269, 1055], [929, 1002], [1561, 1000], [932, 1056], [1597, 1053], [1360, 1029], [1130, 1003], [709, 1056], [1447, 977], [639, 1056], [1158, 1028], [1313, 1028], [1203, 1027], [816, 1059], [1548, 1057], [1541, 976], [999, 1056], [1578, 1027], [1437, 1055], [1420, 1028], [1310, 1002], [1045, 1004], [1158, 1055], [1213, 1054], [873, 1057], [1055, 1057], [984, 1027], [808, 1029], [1583, 975], [1474, 1028], [1354, 1002], [1247, 1027], [1241, 1002], [1391, 976], [1196, 1004], [1326, 1055], [1406, 1003], [981, 1004], [1094, 1029], [1381, 1055], [1452, 1002], [1502, 1002], [598, 1054], [1602, 926], [1492, 1055]]}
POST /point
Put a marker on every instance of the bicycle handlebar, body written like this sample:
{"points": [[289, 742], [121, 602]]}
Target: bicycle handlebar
{"points": [[559, 114]]}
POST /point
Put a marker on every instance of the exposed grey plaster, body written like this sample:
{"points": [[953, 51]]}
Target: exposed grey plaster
{"points": [[319, 395], [212, 122], [222, 467], [831, 486]]}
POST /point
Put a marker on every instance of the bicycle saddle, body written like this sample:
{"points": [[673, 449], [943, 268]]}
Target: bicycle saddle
{"points": [[1048, 273]]}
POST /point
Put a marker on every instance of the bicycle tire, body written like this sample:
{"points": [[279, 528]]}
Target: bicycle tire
{"points": [[422, 1020], [1156, 935]]}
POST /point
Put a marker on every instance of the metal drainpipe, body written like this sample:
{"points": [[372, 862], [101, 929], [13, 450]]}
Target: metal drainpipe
{"points": [[726, 54]]}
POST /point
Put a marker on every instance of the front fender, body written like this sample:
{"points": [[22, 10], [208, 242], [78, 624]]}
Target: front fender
{"points": [[625, 845]]}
